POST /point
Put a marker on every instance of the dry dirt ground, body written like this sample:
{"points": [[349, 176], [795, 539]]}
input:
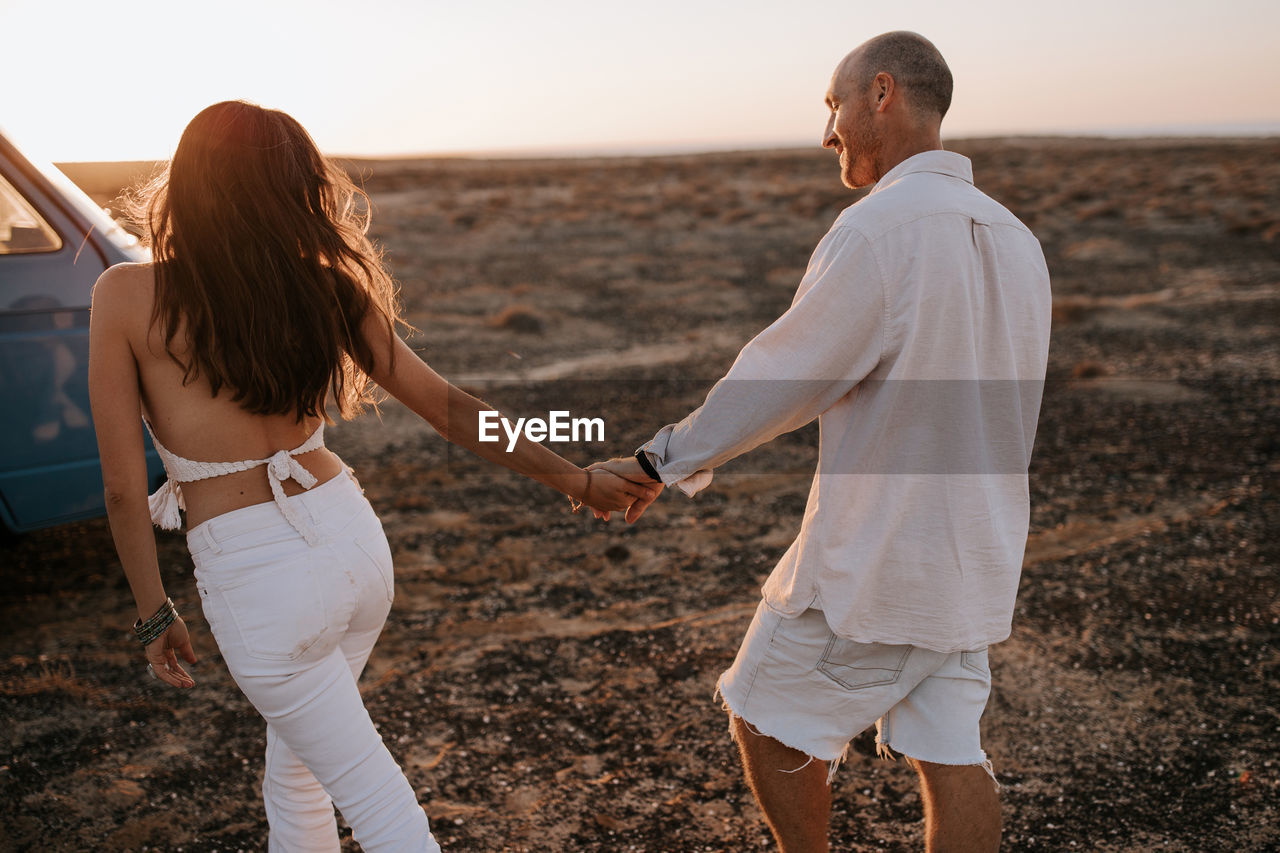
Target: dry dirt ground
{"points": [[546, 680]]}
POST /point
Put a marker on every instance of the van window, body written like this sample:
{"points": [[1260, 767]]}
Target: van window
{"points": [[22, 230]]}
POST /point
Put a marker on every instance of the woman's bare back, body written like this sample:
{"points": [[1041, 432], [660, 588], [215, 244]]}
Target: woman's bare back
{"points": [[191, 422]]}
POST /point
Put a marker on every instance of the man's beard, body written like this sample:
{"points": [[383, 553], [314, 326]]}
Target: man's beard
{"points": [[867, 146]]}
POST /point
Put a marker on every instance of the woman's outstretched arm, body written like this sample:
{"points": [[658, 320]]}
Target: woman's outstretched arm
{"points": [[115, 398], [455, 414]]}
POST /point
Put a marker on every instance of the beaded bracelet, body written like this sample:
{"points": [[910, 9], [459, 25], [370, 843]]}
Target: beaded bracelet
{"points": [[148, 632]]}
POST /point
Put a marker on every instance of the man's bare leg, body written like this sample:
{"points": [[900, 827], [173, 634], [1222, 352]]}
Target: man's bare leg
{"points": [[961, 808], [796, 805]]}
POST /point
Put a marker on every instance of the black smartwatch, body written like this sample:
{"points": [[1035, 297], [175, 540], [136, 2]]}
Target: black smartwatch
{"points": [[647, 466]]}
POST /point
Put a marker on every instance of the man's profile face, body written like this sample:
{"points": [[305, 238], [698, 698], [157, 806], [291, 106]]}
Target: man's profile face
{"points": [[851, 128]]}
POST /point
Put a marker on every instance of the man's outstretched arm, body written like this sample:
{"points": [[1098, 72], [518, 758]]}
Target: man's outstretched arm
{"points": [[828, 341]]}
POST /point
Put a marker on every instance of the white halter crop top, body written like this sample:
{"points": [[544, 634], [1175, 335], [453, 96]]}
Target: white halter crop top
{"points": [[281, 465]]}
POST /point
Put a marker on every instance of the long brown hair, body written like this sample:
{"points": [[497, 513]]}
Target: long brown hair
{"points": [[263, 264]]}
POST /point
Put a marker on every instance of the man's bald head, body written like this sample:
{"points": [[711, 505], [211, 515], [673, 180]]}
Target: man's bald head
{"points": [[913, 62]]}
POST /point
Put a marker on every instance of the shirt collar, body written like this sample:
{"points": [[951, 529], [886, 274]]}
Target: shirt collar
{"points": [[939, 162]]}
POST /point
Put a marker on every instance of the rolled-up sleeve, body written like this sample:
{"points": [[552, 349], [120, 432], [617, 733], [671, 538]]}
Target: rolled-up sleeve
{"points": [[830, 338]]}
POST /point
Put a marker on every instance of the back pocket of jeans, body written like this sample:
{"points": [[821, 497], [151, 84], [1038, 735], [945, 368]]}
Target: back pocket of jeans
{"points": [[976, 662], [375, 547], [280, 613], [857, 666]]}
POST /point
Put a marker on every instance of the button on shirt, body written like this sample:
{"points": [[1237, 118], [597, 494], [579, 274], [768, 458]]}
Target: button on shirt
{"points": [[918, 338]]}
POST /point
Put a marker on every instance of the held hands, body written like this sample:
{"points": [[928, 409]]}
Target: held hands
{"points": [[605, 492], [627, 470], [162, 655]]}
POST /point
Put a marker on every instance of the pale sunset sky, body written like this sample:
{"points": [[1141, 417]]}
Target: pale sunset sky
{"points": [[104, 81]]}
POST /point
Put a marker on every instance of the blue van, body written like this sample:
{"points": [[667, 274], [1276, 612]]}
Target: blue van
{"points": [[54, 243]]}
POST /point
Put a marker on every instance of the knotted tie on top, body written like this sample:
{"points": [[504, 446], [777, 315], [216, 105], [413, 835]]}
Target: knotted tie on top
{"points": [[281, 465]]}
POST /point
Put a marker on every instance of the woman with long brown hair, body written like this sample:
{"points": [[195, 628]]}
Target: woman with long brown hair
{"points": [[264, 303]]}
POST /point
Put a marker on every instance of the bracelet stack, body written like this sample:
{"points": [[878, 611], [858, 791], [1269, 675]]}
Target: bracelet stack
{"points": [[148, 632]]}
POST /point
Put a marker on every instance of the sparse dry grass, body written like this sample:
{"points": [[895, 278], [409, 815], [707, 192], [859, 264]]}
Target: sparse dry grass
{"points": [[547, 682]]}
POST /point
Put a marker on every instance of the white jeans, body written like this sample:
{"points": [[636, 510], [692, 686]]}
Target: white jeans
{"points": [[295, 624]]}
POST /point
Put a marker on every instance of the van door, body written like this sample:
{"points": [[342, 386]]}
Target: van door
{"points": [[48, 452]]}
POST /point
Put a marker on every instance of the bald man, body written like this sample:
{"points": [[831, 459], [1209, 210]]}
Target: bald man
{"points": [[918, 338]]}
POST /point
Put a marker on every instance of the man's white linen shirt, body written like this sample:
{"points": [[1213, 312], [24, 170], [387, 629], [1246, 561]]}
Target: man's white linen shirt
{"points": [[918, 338]]}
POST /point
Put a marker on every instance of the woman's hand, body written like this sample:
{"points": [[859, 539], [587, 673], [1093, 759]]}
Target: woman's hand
{"points": [[626, 468], [162, 655], [607, 492]]}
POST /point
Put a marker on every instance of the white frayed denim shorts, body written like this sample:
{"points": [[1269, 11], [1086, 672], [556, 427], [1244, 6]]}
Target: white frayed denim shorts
{"points": [[799, 683]]}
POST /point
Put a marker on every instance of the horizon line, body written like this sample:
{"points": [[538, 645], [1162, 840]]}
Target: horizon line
{"points": [[1184, 132]]}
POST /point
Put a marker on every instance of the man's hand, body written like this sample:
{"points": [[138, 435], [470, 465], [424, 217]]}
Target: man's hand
{"points": [[609, 492], [628, 468]]}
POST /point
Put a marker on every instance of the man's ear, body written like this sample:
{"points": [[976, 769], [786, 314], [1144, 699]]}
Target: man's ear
{"points": [[885, 89]]}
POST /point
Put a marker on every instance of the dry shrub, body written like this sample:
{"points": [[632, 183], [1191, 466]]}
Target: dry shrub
{"points": [[1106, 250], [1089, 370], [463, 221], [638, 211], [59, 677], [519, 318], [1102, 208], [1068, 310]]}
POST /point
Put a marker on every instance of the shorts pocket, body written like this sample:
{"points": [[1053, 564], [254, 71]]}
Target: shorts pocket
{"points": [[977, 663], [279, 614], [856, 666], [375, 547]]}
